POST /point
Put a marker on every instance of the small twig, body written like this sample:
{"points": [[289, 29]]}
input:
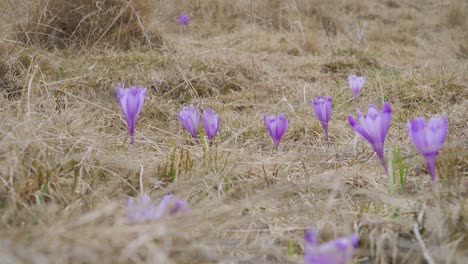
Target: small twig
{"points": [[426, 254], [141, 180], [326, 23], [30, 84]]}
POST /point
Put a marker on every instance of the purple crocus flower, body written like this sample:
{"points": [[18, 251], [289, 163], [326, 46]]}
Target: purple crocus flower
{"points": [[374, 128], [184, 19], [131, 101], [143, 210], [323, 109], [190, 118], [429, 139], [211, 123], [338, 251], [277, 127], [356, 84]]}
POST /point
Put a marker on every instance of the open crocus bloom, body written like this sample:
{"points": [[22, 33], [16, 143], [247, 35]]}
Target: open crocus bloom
{"points": [[211, 123], [277, 127], [131, 101], [323, 109], [143, 210], [338, 251], [356, 84], [429, 139], [190, 118], [374, 128]]}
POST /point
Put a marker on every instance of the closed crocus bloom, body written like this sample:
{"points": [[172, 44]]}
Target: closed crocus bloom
{"points": [[131, 101], [356, 84], [277, 127], [171, 205], [140, 210], [143, 210], [184, 19], [211, 123], [429, 139], [338, 251], [374, 128], [190, 118], [323, 109]]}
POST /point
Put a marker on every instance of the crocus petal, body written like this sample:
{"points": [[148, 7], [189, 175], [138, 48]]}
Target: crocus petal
{"points": [[311, 237], [328, 108], [141, 96], [180, 206], [437, 131], [355, 125], [211, 123], [386, 119], [418, 134], [281, 126], [122, 98]]}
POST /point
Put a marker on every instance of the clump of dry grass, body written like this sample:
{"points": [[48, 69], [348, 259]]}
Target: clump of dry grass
{"points": [[456, 14], [86, 23], [66, 168]]}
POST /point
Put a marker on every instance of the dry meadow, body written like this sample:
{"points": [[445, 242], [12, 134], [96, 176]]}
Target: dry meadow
{"points": [[67, 168]]}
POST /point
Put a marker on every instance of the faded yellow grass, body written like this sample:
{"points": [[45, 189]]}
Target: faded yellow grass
{"points": [[66, 167]]}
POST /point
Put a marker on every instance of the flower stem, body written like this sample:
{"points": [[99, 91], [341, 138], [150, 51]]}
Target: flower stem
{"points": [[431, 165]]}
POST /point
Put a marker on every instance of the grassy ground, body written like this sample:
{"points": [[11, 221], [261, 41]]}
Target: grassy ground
{"points": [[67, 169]]}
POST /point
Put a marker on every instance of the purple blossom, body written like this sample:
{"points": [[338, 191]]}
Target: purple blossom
{"points": [[277, 127], [184, 19], [429, 139], [131, 101], [374, 128], [190, 118], [211, 123], [143, 210], [338, 251], [356, 84], [323, 110]]}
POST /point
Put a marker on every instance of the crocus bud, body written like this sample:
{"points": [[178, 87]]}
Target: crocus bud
{"points": [[356, 84], [190, 118], [277, 127], [143, 210], [131, 101], [323, 110], [184, 19]]}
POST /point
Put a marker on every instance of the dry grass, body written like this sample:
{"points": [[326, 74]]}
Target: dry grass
{"points": [[83, 23], [66, 168]]}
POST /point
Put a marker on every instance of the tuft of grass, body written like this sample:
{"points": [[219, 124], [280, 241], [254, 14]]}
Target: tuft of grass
{"points": [[86, 23], [456, 13]]}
